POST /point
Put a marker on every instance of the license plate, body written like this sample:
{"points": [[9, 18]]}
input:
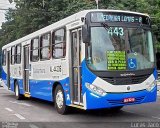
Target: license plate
{"points": [[129, 100]]}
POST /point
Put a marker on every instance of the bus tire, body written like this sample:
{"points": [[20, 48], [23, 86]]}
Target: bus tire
{"points": [[17, 92], [59, 99]]}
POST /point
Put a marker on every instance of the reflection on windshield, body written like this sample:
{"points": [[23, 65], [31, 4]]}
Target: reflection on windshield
{"points": [[119, 48]]}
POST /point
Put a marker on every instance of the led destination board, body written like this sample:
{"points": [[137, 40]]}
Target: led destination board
{"points": [[115, 17], [118, 18], [116, 60]]}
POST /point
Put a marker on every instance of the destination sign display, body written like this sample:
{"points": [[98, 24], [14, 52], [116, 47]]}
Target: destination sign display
{"points": [[118, 17], [116, 60]]}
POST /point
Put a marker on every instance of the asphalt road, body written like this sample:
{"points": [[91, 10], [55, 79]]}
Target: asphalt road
{"points": [[34, 113]]}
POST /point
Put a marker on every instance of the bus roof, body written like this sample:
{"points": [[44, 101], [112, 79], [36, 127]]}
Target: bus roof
{"points": [[63, 22]]}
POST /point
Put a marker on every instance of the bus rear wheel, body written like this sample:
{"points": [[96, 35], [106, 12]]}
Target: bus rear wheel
{"points": [[17, 92], [59, 99]]}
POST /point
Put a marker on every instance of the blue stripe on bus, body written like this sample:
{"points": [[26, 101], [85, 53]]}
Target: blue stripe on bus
{"points": [[116, 99], [94, 101], [88, 76], [43, 89], [155, 73], [4, 76]]}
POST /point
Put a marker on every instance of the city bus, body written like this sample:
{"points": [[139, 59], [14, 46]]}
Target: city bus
{"points": [[93, 59]]}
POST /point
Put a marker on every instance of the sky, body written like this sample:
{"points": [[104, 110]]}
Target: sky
{"points": [[4, 4]]}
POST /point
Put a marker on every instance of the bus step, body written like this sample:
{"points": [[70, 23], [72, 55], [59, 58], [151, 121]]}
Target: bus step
{"points": [[27, 95], [77, 106]]}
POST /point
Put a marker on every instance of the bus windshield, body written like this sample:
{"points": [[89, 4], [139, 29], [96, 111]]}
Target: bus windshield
{"points": [[120, 48]]}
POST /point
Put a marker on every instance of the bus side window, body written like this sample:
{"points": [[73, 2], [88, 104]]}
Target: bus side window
{"points": [[35, 49], [4, 58], [45, 47], [18, 54], [59, 44], [13, 55]]}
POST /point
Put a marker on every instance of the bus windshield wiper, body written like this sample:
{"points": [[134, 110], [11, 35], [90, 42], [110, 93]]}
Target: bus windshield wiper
{"points": [[105, 25]]}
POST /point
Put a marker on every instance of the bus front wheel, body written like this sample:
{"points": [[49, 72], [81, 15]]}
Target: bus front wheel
{"points": [[59, 100]]}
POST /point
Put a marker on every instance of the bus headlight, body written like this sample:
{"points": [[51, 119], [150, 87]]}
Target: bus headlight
{"points": [[95, 89], [152, 85]]}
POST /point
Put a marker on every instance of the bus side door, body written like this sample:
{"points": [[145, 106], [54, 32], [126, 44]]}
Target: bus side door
{"points": [[76, 66]]}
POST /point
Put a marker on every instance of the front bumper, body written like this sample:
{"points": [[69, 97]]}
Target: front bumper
{"points": [[94, 101]]}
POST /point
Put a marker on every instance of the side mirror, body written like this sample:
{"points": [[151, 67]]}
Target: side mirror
{"points": [[85, 34]]}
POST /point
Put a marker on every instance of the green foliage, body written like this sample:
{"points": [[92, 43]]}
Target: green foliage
{"points": [[31, 15]]}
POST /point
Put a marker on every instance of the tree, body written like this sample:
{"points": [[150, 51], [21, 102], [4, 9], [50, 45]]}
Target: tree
{"points": [[30, 15]]}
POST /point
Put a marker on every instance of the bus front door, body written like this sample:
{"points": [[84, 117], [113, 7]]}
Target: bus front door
{"points": [[8, 69], [76, 66], [26, 69]]}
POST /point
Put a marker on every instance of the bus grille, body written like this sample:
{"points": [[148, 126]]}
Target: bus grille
{"points": [[120, 102], [126, 81]]}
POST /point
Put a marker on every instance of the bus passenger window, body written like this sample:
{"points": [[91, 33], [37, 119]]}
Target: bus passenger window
{"points": [[45, 47], [13, 55], [18, 54], [4, 58], [59, 44], [35, 50]]}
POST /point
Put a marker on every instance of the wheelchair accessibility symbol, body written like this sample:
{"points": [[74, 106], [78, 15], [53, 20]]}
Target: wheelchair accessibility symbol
{"points": [[132, 63]]}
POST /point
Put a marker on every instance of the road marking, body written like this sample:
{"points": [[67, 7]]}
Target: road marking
{"points": [[24, 104], [156, 117], [8, 109], [19, 116], [33, 126]]}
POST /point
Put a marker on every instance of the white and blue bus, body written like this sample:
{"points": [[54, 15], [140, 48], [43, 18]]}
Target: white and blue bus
{"points": [[90, 60]]}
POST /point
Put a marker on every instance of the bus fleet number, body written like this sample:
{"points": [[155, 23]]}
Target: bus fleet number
{"points": [[116, 30], [56, 69]]}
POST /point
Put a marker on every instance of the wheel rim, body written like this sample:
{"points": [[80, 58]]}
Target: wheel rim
{"points": [[59, 99], [16, 91]]}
